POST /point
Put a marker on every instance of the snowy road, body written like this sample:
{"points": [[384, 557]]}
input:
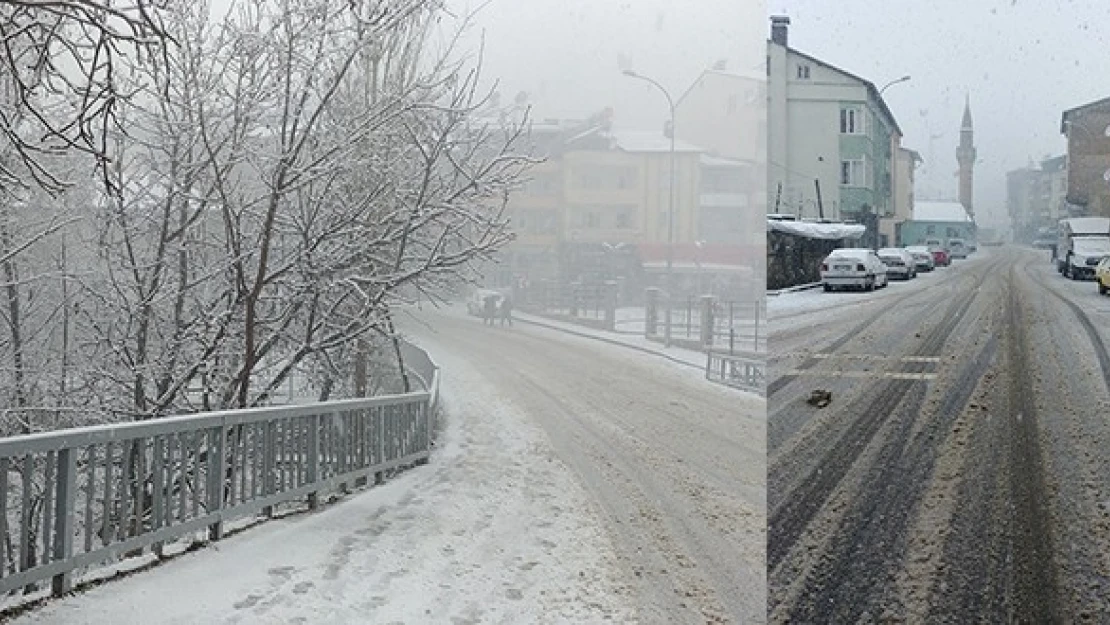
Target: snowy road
{"points": [[576, 482], [960, 472], [674, 465]]}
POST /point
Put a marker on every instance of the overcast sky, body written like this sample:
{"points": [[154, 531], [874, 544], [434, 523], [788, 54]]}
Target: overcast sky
{"points": [[1022, 61], [564, 53]]}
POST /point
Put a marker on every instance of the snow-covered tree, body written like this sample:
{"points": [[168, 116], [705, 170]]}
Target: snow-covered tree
{"points": [[287, 171]]}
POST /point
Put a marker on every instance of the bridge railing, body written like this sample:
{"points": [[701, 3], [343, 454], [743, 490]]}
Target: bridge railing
{"points": [[85, 497]]}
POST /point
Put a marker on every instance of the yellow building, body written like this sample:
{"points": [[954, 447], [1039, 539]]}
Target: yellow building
{"points": [[597, 189]]}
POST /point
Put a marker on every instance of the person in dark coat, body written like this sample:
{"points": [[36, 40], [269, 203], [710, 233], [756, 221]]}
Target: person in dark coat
{"points": [[507, 311], [489, 309]]}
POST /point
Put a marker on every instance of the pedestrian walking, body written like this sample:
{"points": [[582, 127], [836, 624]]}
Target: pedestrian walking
{"points": [[489, 309], [507, 311]]}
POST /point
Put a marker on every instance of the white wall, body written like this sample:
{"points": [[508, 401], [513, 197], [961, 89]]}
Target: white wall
{"points": [[804, 140]]}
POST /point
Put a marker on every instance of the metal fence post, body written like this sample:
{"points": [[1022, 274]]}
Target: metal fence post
{"points": [[269, 457], [64, 514], [312, 468], [707, 320], [611, 290], [380, 427], [755, 335], [651, 311], [216, 481]]}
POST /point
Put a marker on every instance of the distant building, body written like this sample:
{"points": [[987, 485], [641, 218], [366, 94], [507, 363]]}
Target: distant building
{"points": [[725, 113], [1036, 198], [828, 129], [938, 220], [1087, 129], [905, 166]]}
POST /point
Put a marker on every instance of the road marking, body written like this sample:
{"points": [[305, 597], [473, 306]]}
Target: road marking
{"points": [[830, 373], [826, 356]]}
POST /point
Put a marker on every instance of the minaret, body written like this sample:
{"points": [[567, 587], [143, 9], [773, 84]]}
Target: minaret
{"points": [[965, 155]]}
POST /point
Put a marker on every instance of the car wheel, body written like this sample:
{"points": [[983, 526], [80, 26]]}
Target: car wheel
{"points": [[870, 284], [1101, 288], [828, 287]]}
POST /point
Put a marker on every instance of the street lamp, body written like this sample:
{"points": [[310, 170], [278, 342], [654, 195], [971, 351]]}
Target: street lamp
{"points": [[670, 209], [893, 82]]}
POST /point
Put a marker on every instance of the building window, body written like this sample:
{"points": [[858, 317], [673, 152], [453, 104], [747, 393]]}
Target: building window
{"points": [[626, 178], [853, 173], [852, 121], [803, 72]]}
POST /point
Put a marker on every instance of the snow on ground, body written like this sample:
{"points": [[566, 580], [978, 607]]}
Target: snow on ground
{"points": [[812, 300], [494, 529], [639, 342]]}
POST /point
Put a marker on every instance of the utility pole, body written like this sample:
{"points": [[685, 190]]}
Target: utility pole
{"points": [[820, 206]]}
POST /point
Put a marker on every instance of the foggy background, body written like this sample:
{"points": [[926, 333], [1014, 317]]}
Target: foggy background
{"points": [[1022, 61], [565, 53]]}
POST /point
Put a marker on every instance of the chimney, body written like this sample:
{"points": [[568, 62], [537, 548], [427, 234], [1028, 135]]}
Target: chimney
{"points": [[779, 24]]}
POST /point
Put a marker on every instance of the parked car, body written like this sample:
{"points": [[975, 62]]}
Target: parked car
{"points": [[922, 257], [1102, 275], [957, 248], [853, 268], [899, 263], [940, 253]]}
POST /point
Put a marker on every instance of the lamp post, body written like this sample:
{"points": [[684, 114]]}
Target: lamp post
{"points": [[670, 210], [893, 82]]}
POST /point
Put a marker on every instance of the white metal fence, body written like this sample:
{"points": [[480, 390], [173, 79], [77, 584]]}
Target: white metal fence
{"points": [[744, 372], [80, 498]]}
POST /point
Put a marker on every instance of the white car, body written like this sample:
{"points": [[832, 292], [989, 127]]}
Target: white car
{"points": [[922, 257], [853, 268], [899, 263], [957, 248]]}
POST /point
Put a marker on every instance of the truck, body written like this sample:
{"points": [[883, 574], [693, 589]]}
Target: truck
{"points": [[1082, 242]]}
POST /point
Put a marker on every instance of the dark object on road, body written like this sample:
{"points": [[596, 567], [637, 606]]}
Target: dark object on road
{"points": [[820, 398], [507, 310]]}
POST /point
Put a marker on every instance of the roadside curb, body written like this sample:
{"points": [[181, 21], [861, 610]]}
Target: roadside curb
{"points": [[610, 341], [794, 289]]}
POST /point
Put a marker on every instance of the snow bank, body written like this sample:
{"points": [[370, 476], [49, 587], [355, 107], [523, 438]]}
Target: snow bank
{"points": [[816, 230]]}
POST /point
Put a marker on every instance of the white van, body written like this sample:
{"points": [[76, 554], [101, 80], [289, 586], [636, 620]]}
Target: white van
{"points": [[957, 248]]}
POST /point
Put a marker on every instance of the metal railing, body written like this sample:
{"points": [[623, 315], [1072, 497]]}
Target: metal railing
{"points": [[81, 498], [743, 372], [736, 326], [583, 301]]}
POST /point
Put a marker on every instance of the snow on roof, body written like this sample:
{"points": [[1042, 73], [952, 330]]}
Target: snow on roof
{"points": [[939, 211], [640, 141], [816, 230]]}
